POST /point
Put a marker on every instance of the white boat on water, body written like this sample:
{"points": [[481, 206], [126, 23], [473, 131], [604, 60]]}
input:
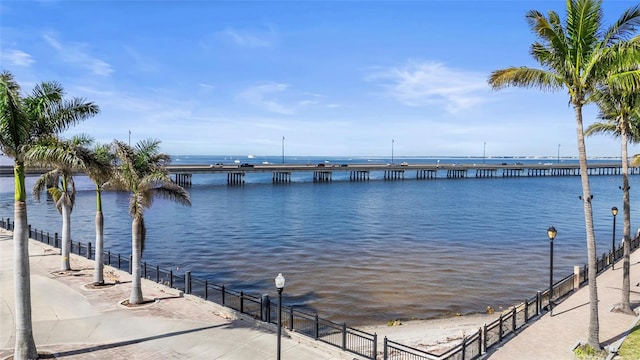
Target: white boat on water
{"points": [[251, 156], [236, 161]]}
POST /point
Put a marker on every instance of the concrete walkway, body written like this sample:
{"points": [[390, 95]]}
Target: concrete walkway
{"points": [[71, 321], [554, 337]]}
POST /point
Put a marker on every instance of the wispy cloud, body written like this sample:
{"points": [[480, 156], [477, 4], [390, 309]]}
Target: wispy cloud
{"points": [[17, 58], [277, 98], [432, 83], [77, 53], [249, 38]]}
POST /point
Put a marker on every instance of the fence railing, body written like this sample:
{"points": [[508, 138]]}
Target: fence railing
{"points": [[339, 334]]}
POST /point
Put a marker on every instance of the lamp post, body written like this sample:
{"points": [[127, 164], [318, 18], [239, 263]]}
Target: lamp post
{"points": [[392, 141], [558, 153], [614, 212], [279, 286], [283, 149], [484, 152], [551, 233]]}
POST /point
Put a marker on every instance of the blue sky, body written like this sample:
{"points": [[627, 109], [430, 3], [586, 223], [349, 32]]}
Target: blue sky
{"points": [[332, 77]]}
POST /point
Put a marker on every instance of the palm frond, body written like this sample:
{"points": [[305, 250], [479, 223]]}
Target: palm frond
{"points": [[524, 77]]}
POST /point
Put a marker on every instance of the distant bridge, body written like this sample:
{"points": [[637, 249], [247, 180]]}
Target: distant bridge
{"points": [[361, 172]]}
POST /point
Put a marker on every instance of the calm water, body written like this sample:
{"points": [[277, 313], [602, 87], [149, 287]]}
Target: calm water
{"points": [[362, 252]]}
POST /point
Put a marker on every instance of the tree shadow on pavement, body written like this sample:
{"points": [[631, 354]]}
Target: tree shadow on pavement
{"points": [[126, 343]]}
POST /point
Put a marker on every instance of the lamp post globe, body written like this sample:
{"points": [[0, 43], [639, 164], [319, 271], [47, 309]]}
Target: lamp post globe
{"points": [[614, 212], [280, 286], [551, 234]]}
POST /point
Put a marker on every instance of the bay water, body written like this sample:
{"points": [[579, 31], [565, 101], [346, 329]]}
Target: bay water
{"points": [[361, 252]]}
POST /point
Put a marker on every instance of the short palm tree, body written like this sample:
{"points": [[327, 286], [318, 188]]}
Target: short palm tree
{"points": [[23, 121], [620, 111], [577, 56], [141, 171], [100, 172], [66, 157]]}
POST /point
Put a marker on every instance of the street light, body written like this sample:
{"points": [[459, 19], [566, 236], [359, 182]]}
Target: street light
{"points": [[279, 286], [551, 233], [484, 151], [558, 153], [614, 212], [392, 141], [283, 149]]}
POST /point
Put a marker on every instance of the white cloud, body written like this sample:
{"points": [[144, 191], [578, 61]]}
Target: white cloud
{"points": [[76, 53], [432, 83], [17, 58], [275, 97], [249, 38]]}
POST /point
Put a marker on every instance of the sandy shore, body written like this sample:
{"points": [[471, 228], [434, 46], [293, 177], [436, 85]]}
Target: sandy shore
{"points": [[436, 335]]}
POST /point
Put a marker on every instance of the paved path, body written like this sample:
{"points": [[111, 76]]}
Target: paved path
{"points": [[554, 337], [71, 321]]}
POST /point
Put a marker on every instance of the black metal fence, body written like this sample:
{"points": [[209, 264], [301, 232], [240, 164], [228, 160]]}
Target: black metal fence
{"points": [[339, 334]]}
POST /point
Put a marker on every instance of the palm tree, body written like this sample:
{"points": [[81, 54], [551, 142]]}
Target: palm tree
{"points": [[576, 56], [141, 171], [621, 112], [22, 122], [66, 157], [100, 173]]}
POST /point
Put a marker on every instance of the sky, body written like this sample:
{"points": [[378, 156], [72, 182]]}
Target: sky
{"points": [[319, 78]]}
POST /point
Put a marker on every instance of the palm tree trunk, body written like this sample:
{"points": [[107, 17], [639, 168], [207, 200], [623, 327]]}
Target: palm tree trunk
{"points": [[66, 235], [625, 306], [136, 255], [594, 325], [25, 346], [98, 273]]}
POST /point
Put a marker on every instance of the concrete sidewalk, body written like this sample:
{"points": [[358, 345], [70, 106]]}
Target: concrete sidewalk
{"points": [[71, 321], [554, 337]]}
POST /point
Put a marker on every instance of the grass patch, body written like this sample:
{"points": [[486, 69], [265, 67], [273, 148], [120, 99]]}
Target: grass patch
{"points": [[586, 352], [630, 348]]}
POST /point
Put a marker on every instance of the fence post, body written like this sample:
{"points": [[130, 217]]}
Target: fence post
{"points": [[157, 273], [55, 240], [500, 329], [479, 341], [88, 250], [187, 282], [119, 262], [144, 269], [242, 303], [29, 230], [576, 277], [222, 294], [291, 318], [464, 347], [206, 289], [317, 327], [265, 308], [131, 264], [526, 311], [374, 356], [171, 278], [513, 320], [384, 348], [538, 305], [7, 224], [484, 337], [344, 336]]}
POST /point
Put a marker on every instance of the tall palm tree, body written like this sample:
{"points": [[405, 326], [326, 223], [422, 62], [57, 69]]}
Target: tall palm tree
{"points": [[67, 157], [100, 173], [576, 56], [23, 120], [141, 171], [621, 112]]}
